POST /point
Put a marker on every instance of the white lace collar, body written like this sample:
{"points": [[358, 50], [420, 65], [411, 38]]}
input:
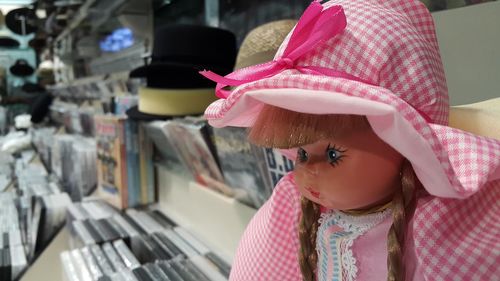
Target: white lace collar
{"points": [[334, 249]]}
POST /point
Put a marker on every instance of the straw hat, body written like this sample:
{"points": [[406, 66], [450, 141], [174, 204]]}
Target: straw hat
{"points": [[2, 19], [261, 43]]}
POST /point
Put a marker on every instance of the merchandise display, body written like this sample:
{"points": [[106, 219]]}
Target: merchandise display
{"points": [[32, 210], [134, 245], [249, 140]]}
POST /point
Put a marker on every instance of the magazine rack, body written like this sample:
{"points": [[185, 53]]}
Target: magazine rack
{"points": [[218, 221]]}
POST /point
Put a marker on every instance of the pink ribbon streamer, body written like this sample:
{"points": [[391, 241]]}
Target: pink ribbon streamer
{"points": [[314, 27]]}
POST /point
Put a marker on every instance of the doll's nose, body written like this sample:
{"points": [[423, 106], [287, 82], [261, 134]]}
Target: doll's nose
{"points": [[311, 169]]}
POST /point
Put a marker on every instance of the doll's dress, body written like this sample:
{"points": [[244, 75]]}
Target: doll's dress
{"points": [[269, 246], [345, 242]]}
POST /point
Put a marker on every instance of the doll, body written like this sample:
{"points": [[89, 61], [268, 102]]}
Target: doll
{"points": [[383, 189], [341, 164]]}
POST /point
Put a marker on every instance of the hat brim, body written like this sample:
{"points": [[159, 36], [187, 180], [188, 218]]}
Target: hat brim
{"points": [[145, 70], [174, 76], [22, 70], [449, 162], [134, 114], [7, 42], [155, 67]]}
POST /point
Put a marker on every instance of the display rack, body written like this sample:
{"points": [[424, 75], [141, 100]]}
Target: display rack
{"points": [[217, 220], [48, 265]]}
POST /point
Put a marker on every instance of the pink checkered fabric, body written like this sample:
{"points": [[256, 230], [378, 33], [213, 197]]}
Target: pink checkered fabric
{"points": [[268, 249], [454, 239], [459, 239], [392, 44]]}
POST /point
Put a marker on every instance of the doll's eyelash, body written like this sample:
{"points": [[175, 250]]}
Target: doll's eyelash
{"points": [[302, 155], [338, 154]]}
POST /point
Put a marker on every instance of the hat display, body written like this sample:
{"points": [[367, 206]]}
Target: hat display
{"points": [[174, 87], [381, 59], [21, 21], [21, 68]]}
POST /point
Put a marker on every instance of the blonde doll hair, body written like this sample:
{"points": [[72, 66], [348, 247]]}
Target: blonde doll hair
{"points": [[292, 129], [281, 128]]}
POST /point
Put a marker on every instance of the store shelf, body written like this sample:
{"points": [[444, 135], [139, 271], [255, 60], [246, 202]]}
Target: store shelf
{"points": [[48, 265], [77, 19], [215, 219]]}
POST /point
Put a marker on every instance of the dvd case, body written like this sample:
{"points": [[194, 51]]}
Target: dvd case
{"points": [[111, 159], [240, 165], [166, 151], [192, 140], [157, 249]]}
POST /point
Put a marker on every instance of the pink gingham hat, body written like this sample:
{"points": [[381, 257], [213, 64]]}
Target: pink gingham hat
{"points": [[382, 60]]}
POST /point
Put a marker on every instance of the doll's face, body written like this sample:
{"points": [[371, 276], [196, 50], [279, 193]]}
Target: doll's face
{"points": [[352, 171]]}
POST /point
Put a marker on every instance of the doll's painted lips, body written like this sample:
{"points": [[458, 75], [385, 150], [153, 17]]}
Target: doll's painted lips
{"points": [[314, 193]]}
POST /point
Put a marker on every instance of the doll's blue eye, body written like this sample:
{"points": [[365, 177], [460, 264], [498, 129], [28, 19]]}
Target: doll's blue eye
{"points": [[302, 155], [334, 155]]}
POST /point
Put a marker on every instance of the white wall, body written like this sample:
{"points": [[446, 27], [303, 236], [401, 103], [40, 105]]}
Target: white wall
{"points": [[469, 40]]}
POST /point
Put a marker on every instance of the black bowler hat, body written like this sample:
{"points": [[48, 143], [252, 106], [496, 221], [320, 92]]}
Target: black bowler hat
{"points": [[21, 68], [181, 51], [172, 78], [8, 42], [134, 114], [21, 21]]}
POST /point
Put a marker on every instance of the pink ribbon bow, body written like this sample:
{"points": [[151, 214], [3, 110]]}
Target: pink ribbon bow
{"points": [[314, 27]]}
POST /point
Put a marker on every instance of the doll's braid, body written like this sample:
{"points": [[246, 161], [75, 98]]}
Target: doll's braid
{"points": [[403, 206], [308, 229]]}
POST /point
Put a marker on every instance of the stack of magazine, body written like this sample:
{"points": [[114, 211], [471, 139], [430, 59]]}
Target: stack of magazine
{"points": [[73, 160], [43, 140], [75, 119], [41, 206], [70, 158], [32, 210], [6, 170], [219, 158], [12, 251], [134, 245]]}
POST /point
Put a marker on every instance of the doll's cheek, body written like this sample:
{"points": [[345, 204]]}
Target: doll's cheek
{"points": [[299, 180], [302, 178]]}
